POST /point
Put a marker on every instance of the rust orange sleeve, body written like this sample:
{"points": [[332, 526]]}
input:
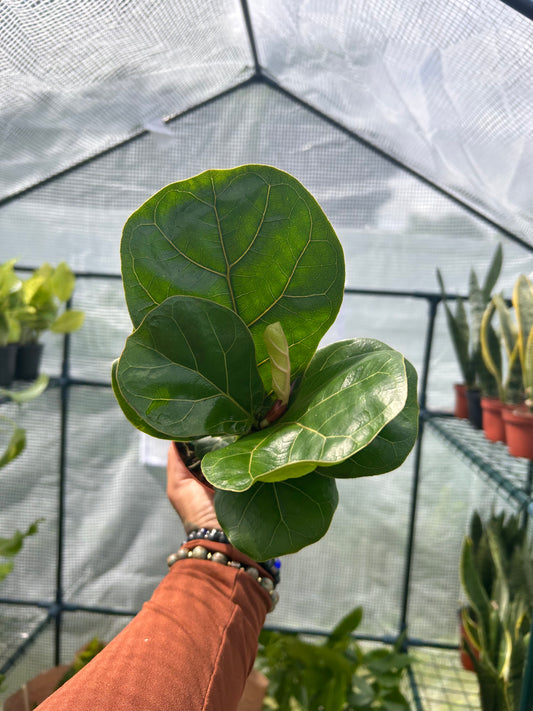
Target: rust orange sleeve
{"points": [[190, 648]]}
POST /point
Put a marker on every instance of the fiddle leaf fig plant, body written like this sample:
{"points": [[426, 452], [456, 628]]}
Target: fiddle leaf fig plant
{"points": [[232, 278]]}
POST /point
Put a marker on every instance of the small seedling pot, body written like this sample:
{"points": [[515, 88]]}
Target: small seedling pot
{"points": [[461, 403], [519, 432], [28, 362], [8, 356]]}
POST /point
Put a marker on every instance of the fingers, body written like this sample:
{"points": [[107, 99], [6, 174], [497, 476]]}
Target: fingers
{"points": [[192, 501], [176, 469]]}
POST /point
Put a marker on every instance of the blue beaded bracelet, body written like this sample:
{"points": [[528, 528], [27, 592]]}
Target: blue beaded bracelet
{"points": [[201, 553]]}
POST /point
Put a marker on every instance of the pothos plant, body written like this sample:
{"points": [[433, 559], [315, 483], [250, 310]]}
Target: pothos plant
{"points": [[231, 280], [12, 444]]}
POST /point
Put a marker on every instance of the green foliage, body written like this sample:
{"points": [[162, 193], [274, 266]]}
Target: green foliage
{"points": [[301, 510], [497, 576], [39, 300], [466, 338], [10, 285], [278, 352], [82, 658], [231, 279], [509, 384], [9, 547], [13, 437], [523, 305], [337, 675], [12, 444]]}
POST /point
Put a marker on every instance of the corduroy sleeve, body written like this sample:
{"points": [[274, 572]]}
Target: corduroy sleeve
{"points": [[190, 648]]}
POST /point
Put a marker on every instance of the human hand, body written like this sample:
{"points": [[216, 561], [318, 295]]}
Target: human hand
{"points": [[192, 501]]}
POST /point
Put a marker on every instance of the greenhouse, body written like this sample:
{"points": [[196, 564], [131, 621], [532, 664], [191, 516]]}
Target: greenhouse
{"points": [[143, 139]]}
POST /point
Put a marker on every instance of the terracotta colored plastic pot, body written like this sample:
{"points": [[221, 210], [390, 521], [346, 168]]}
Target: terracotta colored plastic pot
{"points": [[493, 424], [519, 432], [461, 403]]}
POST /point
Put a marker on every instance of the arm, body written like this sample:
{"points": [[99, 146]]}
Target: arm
{"points": [[193, 644]]}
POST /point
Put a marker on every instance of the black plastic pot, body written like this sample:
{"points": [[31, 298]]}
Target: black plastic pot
{"points": [[8, 356], [28, 362], [475, 415]]}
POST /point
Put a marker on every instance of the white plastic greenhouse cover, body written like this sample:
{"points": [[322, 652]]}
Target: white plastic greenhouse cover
{"points": [[409, 121]]}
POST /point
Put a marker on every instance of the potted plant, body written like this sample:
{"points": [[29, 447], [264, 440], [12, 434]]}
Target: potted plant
{"points": [[466, 340], [12, 444], [519, 421], [337, 675], [505, 367], [10, 284], [39, 302], [231, 279], [497, 576], [35, 691]]}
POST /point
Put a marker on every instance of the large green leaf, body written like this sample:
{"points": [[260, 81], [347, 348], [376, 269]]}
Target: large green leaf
{"points": [[389, 449], [135, 419], [189, 370], [348, 393], [269, 520], [28, 394], [252, 239]]}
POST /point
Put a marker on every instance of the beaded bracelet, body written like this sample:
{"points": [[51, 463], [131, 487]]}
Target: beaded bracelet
{"points": [[272, 566], [201, 553]]}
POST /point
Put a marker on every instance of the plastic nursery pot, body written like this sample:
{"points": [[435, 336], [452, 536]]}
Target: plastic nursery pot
{"points": [[8, 356], [475, 416], [28, 362], [519, 432], [461, 403], [493, 424]]}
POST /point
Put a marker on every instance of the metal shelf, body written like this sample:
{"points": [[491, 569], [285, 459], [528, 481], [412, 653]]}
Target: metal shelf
{"points": [[511, 476], [439, 683]]}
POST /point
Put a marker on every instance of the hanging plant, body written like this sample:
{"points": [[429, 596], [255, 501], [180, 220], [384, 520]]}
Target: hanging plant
{"points": [[231, 279]]}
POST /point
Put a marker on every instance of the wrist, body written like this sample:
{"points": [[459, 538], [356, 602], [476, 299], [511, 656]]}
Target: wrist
{"points": [[266, 574], [271, 566]]}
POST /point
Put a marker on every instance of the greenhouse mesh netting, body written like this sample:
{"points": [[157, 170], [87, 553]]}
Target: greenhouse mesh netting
{"points": [[411, 125]]}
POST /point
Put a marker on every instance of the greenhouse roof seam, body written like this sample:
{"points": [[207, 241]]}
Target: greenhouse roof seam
{"points": [[261, 77], [524, 7], [395, 161], [251, 36]]}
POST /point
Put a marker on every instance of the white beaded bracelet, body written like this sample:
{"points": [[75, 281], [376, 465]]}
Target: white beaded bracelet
{"points": [[201, 553]]}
